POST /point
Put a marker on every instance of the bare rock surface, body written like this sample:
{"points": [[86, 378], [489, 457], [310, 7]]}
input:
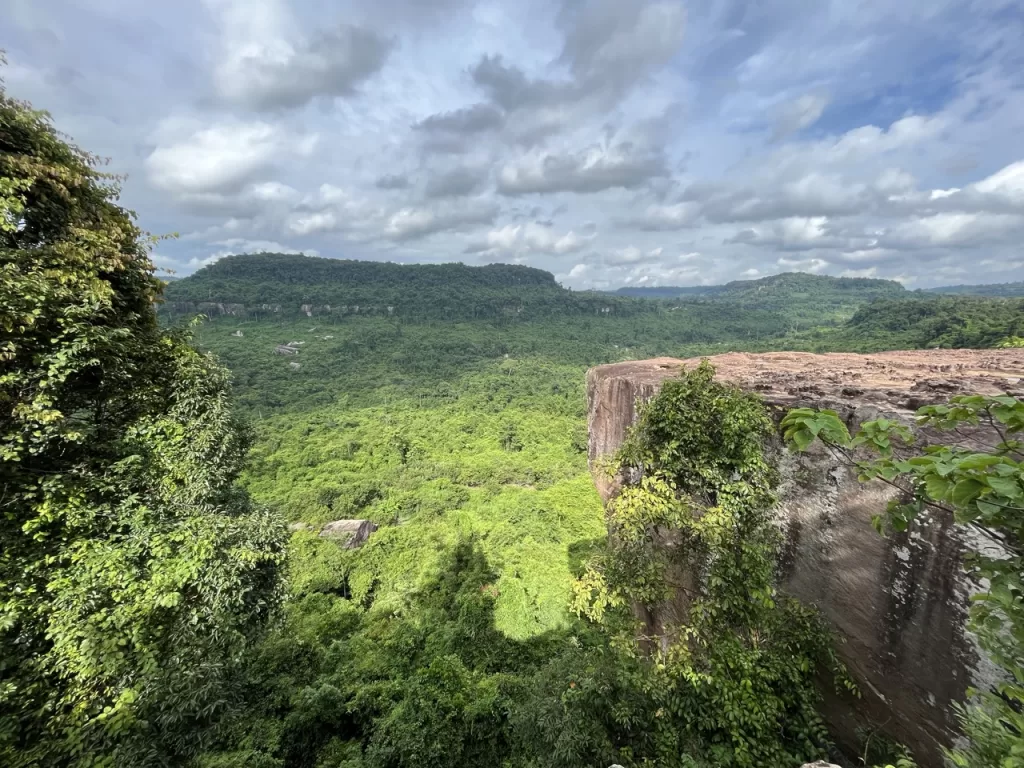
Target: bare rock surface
{"points": [[350, 533], [898, 605]]}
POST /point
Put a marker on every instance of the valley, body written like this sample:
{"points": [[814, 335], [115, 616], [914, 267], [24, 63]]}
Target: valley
{"points": [[450, 434]]}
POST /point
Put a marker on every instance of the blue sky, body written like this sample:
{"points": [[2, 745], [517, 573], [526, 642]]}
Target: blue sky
{"points": [[610, 142]]}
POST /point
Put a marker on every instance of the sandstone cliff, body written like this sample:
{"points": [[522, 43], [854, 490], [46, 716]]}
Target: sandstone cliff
{"points": [[898, 605]]}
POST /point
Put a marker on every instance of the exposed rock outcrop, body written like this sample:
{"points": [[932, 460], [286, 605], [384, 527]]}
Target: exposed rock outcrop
{"points": [[350, 533], [898, 604]]}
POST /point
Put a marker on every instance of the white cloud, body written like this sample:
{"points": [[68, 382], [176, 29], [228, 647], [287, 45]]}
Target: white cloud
{"points": [[799, 113], [267, 62], [222, 157], [658, 217], [308, 223], [954, 230], [633, 255], [595, 169], [530, 238], [732, 141], [415, 222], [1007, 183]]}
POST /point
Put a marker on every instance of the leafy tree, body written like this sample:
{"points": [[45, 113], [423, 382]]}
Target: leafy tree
{"points": [[733, 680], [133, 573], [981, 486]]}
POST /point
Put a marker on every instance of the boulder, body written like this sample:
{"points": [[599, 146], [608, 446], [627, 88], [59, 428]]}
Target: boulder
{"points": [[350, 533], [898, 605]]}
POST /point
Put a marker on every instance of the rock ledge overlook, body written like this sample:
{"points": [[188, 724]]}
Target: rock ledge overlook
{"points": [[898, 605]]}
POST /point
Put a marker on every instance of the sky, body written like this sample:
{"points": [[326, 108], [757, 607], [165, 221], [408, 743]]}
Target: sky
{"points": [[610, 142]]}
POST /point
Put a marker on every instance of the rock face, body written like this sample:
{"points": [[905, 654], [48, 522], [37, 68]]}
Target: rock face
{"points": [[898, 604], [350, 533]]}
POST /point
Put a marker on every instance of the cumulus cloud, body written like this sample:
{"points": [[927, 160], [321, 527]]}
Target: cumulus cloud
{"points": [[412, 223], [633, 255], [731, 136], [593, 170], [463, 122], [456, 182], [611, 43], [667, 217], [222, 157], [524, 239], [267, 62]]}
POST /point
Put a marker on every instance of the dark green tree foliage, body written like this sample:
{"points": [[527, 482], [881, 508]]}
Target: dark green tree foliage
{"points": [[788, 284], [734, 681], [132, 572], [948, 321], [993, 289], [412, 291]]}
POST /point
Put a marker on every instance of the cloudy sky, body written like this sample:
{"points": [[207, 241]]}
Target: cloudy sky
{"points": [[612, 142]]}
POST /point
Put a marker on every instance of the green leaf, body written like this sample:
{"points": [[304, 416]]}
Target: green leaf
{"points": [[966, 491], [936, 487], [1004, 486], [979, 461]]}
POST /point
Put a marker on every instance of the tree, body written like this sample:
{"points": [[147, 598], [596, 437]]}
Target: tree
{"points": [[733, 678], [132, 571], [981, 486]]}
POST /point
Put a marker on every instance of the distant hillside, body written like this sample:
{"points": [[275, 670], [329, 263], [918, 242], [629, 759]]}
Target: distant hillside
{"points": [[670, 292], [955, 322], [291, 284], [796, 284], [995, 289], [804, 300]]}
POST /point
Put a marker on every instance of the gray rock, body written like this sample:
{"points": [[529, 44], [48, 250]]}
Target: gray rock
{"points": [[350, 533]]}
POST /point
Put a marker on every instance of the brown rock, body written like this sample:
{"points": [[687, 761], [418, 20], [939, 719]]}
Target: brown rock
{"points": [[898, 604]]}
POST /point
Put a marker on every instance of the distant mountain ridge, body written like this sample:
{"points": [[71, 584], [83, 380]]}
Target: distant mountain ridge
{"points": [[994, 290], [793, 282], [799, 281], [291, 283]]}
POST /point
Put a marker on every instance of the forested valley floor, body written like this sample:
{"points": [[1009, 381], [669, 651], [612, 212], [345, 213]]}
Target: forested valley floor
{"points": [[465, 441]]}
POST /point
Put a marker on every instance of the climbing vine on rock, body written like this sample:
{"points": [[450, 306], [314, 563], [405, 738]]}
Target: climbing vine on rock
{"points": [[693, 538], [980, 486]]}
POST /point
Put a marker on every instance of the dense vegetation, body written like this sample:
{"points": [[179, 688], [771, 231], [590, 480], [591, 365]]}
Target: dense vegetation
{"points": [[133, 573], [995, 289], [788, 284], [446, 640], [863, 288], [284, 284], [949, 322], [793, 311]]}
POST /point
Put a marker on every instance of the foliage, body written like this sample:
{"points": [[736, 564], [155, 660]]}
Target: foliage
{"points": [[399, 306], [995, 289], [275, 283], [734, 679], [979, 486], [948, 321], [788, 285], [132, 573]]}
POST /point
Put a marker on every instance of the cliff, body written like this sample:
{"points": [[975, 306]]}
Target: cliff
{"points": [[898, 605]]}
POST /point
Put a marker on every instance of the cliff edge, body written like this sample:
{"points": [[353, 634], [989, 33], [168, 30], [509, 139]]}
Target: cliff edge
{"points": [[899, 604]]}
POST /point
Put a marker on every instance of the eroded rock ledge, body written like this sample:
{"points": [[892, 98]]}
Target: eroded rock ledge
{"points": [[899, 604]]}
